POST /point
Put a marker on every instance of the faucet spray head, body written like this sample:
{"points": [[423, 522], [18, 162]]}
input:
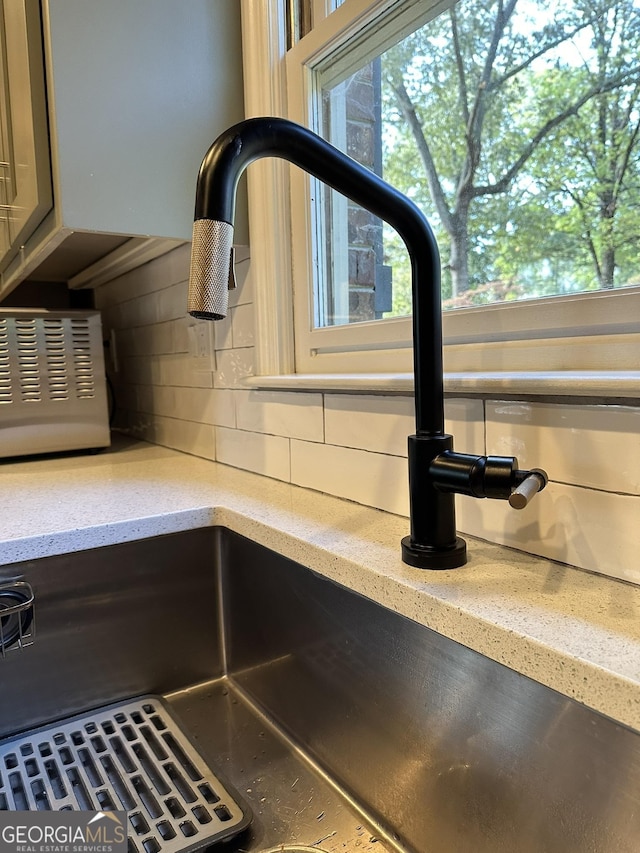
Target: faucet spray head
{"points": [[211, 275]]}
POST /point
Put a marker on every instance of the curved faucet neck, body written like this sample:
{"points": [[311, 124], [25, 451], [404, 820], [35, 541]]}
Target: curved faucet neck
{"points": [[254, 139]]}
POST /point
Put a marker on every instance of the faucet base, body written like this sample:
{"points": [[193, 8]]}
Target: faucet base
{"points": [[427, 557]]}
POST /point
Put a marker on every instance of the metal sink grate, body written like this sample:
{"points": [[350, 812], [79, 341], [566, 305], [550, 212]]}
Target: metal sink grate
{"points": [[130, 756]]}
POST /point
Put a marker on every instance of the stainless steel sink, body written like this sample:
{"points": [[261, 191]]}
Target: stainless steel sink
{"points": [[344, 726]]}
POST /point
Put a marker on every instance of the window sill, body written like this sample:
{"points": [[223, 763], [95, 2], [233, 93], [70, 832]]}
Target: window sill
{"points": [[618, 385]]}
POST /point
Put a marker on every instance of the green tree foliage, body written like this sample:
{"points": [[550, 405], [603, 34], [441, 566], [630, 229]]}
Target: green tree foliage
{"points": [[597, 189], [515, 125]]}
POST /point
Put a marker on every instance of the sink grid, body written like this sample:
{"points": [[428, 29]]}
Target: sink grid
{"points": [[130, 756]]}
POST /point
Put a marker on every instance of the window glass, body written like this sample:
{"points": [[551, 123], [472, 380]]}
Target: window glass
{"points": [[515, 126]]}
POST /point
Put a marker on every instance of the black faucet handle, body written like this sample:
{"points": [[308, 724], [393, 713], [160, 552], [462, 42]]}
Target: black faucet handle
{"points": [[495, 477], [531, 482]]}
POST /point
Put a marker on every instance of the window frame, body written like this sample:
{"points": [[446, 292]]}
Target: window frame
{"points": [[593, 331]]}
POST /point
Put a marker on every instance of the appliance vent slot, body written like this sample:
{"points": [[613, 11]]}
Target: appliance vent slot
{"points": [[29, 379], [6, 395], [54, 350], [82, 359]]}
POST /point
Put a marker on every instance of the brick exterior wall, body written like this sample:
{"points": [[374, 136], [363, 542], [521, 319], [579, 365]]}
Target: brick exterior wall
{"points": [[366, 275]]}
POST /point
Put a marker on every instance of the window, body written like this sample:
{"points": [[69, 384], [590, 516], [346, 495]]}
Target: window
{"points": [[516, 127]]}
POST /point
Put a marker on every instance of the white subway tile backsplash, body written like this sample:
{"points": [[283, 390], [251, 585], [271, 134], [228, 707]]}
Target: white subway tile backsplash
{"points": [[172, 267], [141, 311], [252, 451], [187, 436], [138, 371], [237, 328], [156, 339], [593, 446], [180, 337], [111, 313], [146, 340], [197, 439], [200, 405], [281, 413], [156, 400], [183, 369], [591, 529], [375, 423], [128, 397], [164, 271], [242, 324], [205, 405], [243, 293], [232, 366], [464, 419], [217, 406], [222, 334], [373, 479], [127, 343], [180, 384], [136, 423], [382, 424], [172, 301]]}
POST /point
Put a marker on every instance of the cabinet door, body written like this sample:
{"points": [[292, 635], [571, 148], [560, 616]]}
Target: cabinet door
{"points": [[25, 173]]}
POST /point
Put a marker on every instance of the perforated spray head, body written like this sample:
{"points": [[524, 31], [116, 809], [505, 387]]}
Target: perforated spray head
{"points": [[211, 275]]}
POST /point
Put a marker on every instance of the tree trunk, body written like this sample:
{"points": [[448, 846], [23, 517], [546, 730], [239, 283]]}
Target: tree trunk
{"points": [[608, 254], [459, 260], [607, 268]]}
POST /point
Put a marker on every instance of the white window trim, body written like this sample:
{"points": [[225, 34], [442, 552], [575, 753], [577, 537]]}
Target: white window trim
{"points": [[585, 338], [322, 8], [264, 49]]}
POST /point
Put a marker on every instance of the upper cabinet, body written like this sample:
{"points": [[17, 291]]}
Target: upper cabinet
{"points": [[124, 99], [25, 173]]}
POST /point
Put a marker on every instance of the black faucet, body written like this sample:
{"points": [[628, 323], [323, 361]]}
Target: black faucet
{"points": [[436, 471]]}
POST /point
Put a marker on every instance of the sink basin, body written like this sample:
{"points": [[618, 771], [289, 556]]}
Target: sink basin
{"points": [[343, 726]]}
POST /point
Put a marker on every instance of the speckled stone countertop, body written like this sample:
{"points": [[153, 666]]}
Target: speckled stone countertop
{"points": [[575, 632]]}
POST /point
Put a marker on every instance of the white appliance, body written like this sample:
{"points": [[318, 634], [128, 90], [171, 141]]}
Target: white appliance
{"points": [[53, 394]]}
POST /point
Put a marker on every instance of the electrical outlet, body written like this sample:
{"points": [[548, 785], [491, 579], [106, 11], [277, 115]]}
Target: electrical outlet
{"points": [[203, 339], [200, 336]]}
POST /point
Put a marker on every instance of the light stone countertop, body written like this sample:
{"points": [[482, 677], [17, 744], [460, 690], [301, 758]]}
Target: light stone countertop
{"points": [[576, 632]]}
